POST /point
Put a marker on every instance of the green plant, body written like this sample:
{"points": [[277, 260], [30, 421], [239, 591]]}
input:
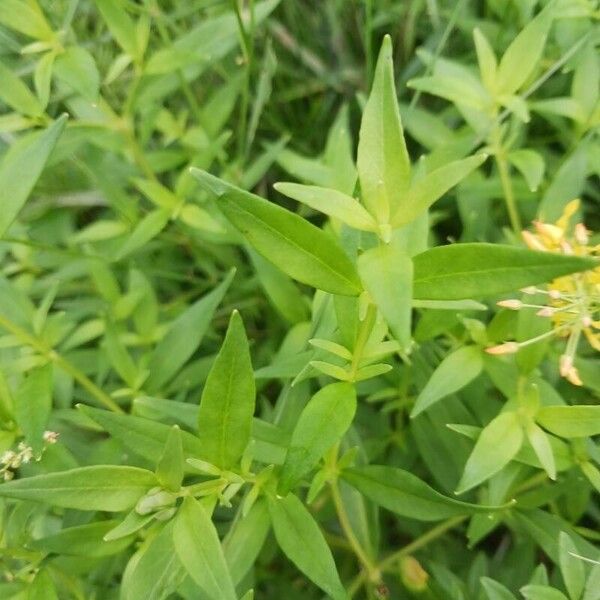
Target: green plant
{"points": [[208, 394]]}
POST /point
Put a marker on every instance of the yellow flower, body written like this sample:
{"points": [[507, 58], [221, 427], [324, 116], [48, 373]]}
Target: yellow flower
{"points": [[573, 302]]}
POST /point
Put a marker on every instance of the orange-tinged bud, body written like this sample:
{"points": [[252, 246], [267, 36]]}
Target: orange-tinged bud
{"points": [[573, 376], [532, 241], [565, 364], [545, 312], [582, 235], [412, 574], [511, 304], [529, 290], [506, 348]]}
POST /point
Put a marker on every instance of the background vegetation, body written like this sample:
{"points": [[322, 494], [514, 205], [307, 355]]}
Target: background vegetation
{"points": [[119, 275]]}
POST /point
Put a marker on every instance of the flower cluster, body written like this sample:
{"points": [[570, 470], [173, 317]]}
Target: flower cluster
{"points": [[11, 460], [572, 301]]}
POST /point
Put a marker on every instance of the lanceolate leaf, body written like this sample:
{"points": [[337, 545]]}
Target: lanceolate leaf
{"points": [[322, 423], [199, 550], [169, 470], [83, 540], [245, 539], [301, 540], [227, 404], [523, 55], [570, 421], [297, 247], [387, 272], [406, 494], [382, 160], [433, 186], [21, 167], [120, 24], [496, 446], [108, 488], [33, 402], [571, 567], [453, 373], [461, 271], [154, 572], [42, 587], [16, 94], [330, 202], [183, 337], [144, 437]]}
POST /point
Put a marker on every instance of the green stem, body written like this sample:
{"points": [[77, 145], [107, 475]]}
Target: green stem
{"points": [[247, 52], [387, 563], [51, 354], [505, 180], [372, 573]]}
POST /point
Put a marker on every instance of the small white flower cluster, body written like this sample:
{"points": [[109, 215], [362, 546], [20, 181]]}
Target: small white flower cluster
{"points": [[11, 460]]}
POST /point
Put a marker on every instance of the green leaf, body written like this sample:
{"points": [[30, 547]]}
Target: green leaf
{"points": [[462, 92], [382, 160], [461, 271], [405, 494], [454, 372], [280, 289], [33, 403], [524, 53], [339, 154], [108, 488], [571, 567], [301, 540], [82, 540], [496, 446], [199, 550], [322, 423], [120, 25], [154, 572], [330, 202], [297, 247], [183, 337], [541, 446], [530, 164], [169, 470], [592, 587], [541, 592], [42, 587], [433, 186], [144, 437], [228, 398], [147, 229], [119, 357], [25, 17], [486, 58], [17, 95], [77, 69], [570, 421], [129, 525], [42, 77], [387, 272], [495, 590], [245, 539], [21, 167]]}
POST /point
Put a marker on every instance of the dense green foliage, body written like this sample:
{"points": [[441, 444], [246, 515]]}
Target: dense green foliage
{"points": [[290, 307]]}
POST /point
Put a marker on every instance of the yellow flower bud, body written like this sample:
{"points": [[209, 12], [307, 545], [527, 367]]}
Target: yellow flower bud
{"points": [[412, 574]]}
